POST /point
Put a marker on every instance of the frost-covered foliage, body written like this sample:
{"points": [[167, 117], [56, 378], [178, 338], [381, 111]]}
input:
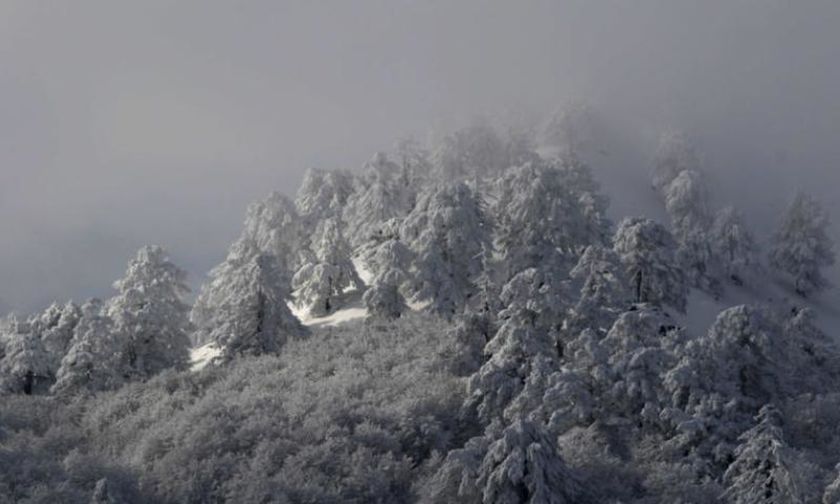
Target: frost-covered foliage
{"points": [[323, 193], [25, 366], [320, 282], [570, 129], [604, 292], [243, 306], [546, 368], [447, 232], [764, 467], [648, 252], [95, 360], [275, 227], [517, 464], [151, 315], [383, 297], [380, 193], [547, 213], [802, 247], [733, 245]]}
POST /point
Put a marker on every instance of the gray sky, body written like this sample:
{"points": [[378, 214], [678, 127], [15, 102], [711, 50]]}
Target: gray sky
{"points": [[158, 121]]}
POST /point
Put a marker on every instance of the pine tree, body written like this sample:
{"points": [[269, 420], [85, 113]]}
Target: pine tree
{"points": [[55, 327], [801, 246], [603, 289], [25, 368], [151, 313], [320, 284], [323, 194], [548, 213], [95, 359], [383, 298], [733, 245], [763, 471], [243, 309], [447, 232], [275, 227], [380, 194], [648, 252], [472, 153]]}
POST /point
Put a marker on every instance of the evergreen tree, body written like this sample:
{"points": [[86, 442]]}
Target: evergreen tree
{"points": [[95, 359], [447, 232], [323, 194], [320, 284], [648, 252], [603, 289], [275, 227], [55, 327], [763, 471], [25, 368], [151, 314], [801, 246], [243, 309], [733, 245], [383, 298]]}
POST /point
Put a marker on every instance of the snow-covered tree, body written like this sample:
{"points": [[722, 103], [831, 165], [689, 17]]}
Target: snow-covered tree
{"points": [[323, 194], [648, 252], [151, 313], [273, 224], [95, 359], [390, 253], [604, 292], [547, 214], [25, 368], [515, 465], [380, 194], [674, 155], [733, 245], [243, 306], [55, 327], [320, 283], [687, 202], [802, 247], [415, 162], [383, 298], [447, 232], [763, 471]]}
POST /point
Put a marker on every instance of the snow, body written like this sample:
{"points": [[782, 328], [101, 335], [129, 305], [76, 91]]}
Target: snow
{"points": [[201, 356]]}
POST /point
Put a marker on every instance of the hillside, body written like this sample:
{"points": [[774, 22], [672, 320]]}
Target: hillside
{"points": [[479, 320]]}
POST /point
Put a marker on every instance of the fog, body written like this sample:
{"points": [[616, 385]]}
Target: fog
{"points": [[157, 122]]}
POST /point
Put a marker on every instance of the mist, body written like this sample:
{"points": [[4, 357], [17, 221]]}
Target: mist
{"points": [[158, 122]]}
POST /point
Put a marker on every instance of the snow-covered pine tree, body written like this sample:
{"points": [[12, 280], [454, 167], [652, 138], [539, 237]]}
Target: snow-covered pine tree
{"points": [[512, 465], [380, 194], [274, 225], [55, 327], [604, 292], [733, 245], [319, 284], [95, 359], [383, 298], [801, 246], [547, 214], [323, 194], [763, 471], [673, 155], [447, 232], [243, 307], [648, 252], [687, 202], [416, 165], [25, 368], [151, 313]]}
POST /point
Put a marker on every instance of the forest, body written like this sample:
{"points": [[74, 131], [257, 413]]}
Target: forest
{"points": [[456, 322]]}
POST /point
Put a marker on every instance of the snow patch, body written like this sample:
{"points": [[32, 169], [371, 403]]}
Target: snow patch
{"points": [[201, 356]]}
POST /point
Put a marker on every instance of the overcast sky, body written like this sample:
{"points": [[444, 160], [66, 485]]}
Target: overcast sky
{"points": [[125, 123]]}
